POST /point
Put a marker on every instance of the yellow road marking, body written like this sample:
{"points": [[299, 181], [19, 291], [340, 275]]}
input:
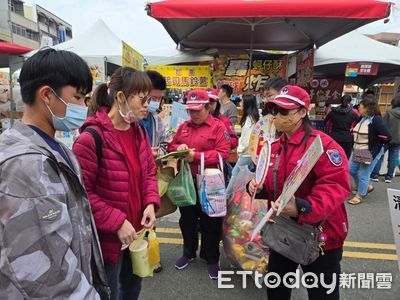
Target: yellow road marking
{"points": [[346, 244], [169, 240], [362, 255], [351, 254], [370, 245], [367, 255], [168, 230]]}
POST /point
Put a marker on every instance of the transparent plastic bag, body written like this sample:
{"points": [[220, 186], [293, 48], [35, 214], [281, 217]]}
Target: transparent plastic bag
{"points": [[242, 217]]}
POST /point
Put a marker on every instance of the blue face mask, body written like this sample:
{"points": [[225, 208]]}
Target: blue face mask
{"points": [[153, 106], [75, 115]]}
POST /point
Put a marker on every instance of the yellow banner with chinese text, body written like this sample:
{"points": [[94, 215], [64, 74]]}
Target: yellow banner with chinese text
{"points": [[184, 77], [131, 58]]}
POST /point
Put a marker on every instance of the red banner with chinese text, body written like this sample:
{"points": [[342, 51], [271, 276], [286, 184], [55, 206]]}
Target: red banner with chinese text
{"points": [[328, 90]]}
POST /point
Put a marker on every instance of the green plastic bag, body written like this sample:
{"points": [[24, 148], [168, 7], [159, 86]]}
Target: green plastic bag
{"points": [[181, 189]]}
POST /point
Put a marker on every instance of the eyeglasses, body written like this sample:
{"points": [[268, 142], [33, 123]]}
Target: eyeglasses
{"points": [[282, 111], [144, 99]]}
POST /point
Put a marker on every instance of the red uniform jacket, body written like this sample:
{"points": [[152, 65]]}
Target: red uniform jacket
{"points": [[231, 131], [326, 187], [108, 187], [211, 138]]}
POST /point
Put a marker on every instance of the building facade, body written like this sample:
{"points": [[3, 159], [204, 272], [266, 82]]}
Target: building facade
{"points": [[387, 38], [31, 26], [52, 29]]}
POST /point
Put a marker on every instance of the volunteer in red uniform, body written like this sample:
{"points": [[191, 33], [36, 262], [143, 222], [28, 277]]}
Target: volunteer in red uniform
{"points": [[215, 107], [206, 134], [321, 195]]}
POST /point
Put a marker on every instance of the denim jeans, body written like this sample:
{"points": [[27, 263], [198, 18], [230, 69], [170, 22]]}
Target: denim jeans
{"points": [[124, 285], [393, 161], [362, 172]]}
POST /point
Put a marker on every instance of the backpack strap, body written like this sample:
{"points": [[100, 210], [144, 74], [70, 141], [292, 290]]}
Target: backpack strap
{"points": [[99, 144]]}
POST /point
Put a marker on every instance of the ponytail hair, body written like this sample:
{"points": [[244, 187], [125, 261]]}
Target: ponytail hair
{"points": [[346, 100], [124, 79]]}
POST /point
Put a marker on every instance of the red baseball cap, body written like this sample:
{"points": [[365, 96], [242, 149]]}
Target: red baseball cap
{"points": [[197, 99], [213, 94], [291, 97]]}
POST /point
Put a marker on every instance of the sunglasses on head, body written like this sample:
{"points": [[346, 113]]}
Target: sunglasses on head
{"points": [[282, 111]]}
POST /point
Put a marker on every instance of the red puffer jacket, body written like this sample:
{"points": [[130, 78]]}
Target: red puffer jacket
{"points": [[108, 187], [325, 188], [231, 131]]}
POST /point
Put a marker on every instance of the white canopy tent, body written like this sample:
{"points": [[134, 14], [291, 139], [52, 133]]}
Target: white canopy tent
{"points": [[98, 42], [98, 46], [331, 59], [354, 47], [172, 56]]}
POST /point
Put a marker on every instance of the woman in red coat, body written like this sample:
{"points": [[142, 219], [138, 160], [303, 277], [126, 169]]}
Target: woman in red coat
{"points": [[321, 195], [122, 186], [215, 107], [201, 134]]}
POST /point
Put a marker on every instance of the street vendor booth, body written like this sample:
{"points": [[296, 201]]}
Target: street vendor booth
{"points": [[288, 25], [10, 57]]}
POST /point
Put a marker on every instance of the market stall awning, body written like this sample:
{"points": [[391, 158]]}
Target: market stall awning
{"points": [[13, 49], [265, 24], [331, 59]]}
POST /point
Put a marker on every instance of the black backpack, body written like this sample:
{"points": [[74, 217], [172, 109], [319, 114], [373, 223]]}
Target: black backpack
{"points": [[99, 144]]}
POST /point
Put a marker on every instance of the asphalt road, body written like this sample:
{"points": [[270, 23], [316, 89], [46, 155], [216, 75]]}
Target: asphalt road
{"points": [[369, 248]]}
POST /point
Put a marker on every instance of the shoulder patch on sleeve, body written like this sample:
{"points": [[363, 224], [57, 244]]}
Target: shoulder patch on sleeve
{"points": [[227, 136], [334, 157]]}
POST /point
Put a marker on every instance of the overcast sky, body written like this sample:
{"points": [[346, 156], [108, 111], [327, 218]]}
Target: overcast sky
{"points": [[129, 21]]}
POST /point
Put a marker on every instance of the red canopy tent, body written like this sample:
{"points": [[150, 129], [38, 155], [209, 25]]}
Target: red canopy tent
{"points": [[263, 24], [7, 48]]}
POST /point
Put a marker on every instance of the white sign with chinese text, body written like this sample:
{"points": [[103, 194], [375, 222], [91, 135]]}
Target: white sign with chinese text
{"points": [[394, 206], [179, 115]]}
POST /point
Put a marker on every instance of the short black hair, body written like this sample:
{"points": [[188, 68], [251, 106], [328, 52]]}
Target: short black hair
{"points": [[157, 80], [371, 105], [228, 89], [276, 83], [346, 100], [370, 92], [396, 102], [56, 68]]}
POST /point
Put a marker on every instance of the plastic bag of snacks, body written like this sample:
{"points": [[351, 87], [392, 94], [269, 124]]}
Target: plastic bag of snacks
{"points": [[154, 248], [241, 218]]}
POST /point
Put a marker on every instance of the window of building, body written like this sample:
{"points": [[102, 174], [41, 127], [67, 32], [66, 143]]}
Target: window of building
{"points": [[16, 6], [68, 31], [43, 19], [52, 25], [25, 32], [11, 5]]}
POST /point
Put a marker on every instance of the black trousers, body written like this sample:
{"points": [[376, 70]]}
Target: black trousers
{"points": [[327, 264], [347, 147], [124, 285], [210, 229]]}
